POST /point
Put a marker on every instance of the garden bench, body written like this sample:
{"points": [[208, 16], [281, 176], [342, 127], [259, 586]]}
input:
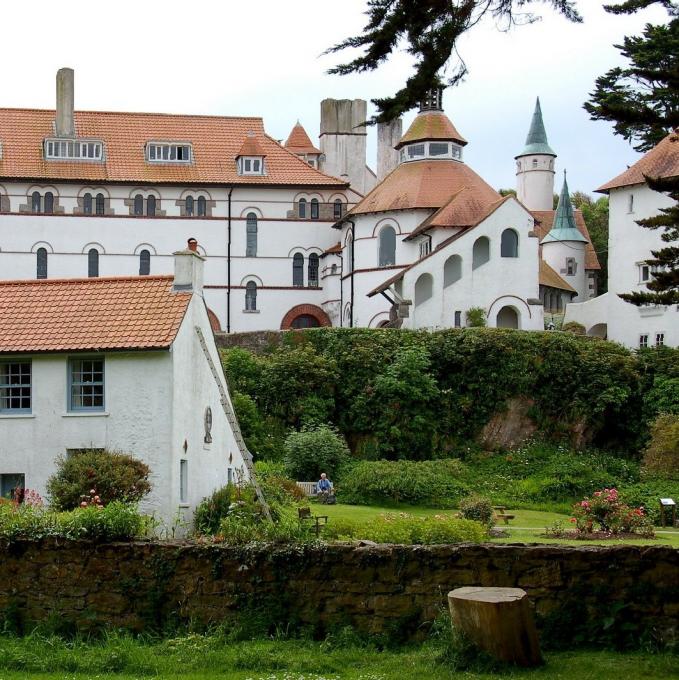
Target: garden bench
{"points": [[500, 513], [316, 521], [309, 488]]}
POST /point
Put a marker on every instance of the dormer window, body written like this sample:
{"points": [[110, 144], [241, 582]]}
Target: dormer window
{"points": [[74, 150], [167, 152], [250, 165]]}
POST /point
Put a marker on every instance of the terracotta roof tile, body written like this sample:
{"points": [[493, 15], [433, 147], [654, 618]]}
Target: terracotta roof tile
{"points": [[548, 277], [69, 315], [251, 146], [337, 248], [216, 141], [298, 141], [545, 219], [661, 161], [434, 125]]}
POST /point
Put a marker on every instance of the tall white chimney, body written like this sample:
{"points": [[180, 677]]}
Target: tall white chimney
{"points": [[188, 269], [65, 125], [388, 136]]}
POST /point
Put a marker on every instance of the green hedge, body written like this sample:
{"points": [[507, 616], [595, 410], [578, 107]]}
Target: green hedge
{"points": [[416, 395]]}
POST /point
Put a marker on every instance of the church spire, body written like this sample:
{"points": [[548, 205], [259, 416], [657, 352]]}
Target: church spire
{"points": [[536, 141], [564, 227]]}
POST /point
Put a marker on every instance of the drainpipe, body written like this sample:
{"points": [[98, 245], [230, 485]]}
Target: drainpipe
{"points": [[341, 319], [228, 265], [351, 264]]}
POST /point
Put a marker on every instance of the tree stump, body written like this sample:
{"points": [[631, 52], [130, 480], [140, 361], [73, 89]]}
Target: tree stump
{"points": [[499, 621]]}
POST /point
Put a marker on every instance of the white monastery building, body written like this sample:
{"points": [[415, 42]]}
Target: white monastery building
{"points": [[296, 234], [629, 249], [118, 363]]}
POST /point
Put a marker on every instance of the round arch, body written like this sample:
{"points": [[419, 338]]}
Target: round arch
{"points": [[599, 330], [214, 321], [97, 246], [305, 310], [508, 317], [379, 320], [42, 244]]}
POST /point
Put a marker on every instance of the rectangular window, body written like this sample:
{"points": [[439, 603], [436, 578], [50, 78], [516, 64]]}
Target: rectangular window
{"points": [[570, 266], [15, 387], [164, 152], [229, 475], [659, 339], [425, 247], [458, 319], [644, 273], [439, 148], [630, 203], [9, 483], [74, 150], [416, 151], [183, 481], [86, 385], [643, 341]]}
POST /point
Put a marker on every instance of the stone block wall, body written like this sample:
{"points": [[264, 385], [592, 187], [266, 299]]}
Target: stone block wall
{"points": [[376, 589]]}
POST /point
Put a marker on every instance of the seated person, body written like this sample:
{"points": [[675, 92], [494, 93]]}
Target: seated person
{"points": [[324, 485]]}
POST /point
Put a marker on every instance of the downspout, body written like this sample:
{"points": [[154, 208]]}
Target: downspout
{"points": [[341, 315], [353, 258], [228, 265]]}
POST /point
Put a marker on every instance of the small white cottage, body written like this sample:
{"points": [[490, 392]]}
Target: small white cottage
{"points": [[122, 363]]}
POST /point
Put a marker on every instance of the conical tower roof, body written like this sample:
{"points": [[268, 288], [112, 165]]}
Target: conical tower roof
{"points": [[298, 141], [564, 227], [536, 142]]}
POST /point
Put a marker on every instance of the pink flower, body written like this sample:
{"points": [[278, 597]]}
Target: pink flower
{"points": [[585, 504], [573, 520], [83, 504], [93, 491]]}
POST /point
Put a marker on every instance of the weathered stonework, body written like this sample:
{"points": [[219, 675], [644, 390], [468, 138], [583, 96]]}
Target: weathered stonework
{"points": [[255, 341], [374, 588]]}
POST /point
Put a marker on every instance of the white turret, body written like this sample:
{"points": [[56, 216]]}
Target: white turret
{"points": [[535, 167]]}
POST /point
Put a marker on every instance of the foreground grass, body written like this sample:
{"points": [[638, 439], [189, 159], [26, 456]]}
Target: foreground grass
{"points": [[526, 527], [194, 656]]}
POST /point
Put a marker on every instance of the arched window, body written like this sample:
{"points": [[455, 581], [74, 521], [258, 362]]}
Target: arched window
{"points": [[312, 277], [250, 296], [314, 209], [507, 317], [202, 206], [452, 270], [92, 262], [49, 202], [298, 270], [302, 208], [144, 263], [138, 204], [337, 209], [35, 202], [480, 252], [100, 204], [188, 206], [424, 288], [509, 245], [41, 263], [87, 204], [350, 253], [151, 206], [251, 235], [387, 247], [305, 321]]}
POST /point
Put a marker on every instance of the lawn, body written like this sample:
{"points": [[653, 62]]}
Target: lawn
{"points": [[526, 526], [194, 657]]}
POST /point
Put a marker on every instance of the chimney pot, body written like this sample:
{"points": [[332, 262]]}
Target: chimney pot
{"points": [[65, 124]]}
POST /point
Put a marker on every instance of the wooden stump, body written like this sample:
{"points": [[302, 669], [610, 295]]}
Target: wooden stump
{"points": [[499, 621]]}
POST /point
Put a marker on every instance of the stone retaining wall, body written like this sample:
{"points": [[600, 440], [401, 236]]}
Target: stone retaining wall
{"points": [[258, 342], [377, 589]]}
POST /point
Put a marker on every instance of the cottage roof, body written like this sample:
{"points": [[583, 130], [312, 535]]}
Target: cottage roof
{"points": [[251, 146], [112, 313], [215, 141], [661, 161], [544, 219], [549, 278]]}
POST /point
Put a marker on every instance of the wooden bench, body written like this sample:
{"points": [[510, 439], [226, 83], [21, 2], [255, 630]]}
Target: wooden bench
{"points": [[500, 513], [309, 488], [305, 515]]}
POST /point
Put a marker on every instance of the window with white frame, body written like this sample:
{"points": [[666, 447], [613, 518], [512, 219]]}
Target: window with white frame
{"points": [[251, 165], [168, 152], [15, 387], [659, 339], [643, 340], [86, 384], [74, 150], [250, 296], [425, 247], [644, 272]]}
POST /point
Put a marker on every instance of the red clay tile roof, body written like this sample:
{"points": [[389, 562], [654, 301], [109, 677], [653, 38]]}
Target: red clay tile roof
{"points": [[425, 184], [337, 248], [215, 140], [68, 315], [298, 141], [251, 147], [545, 219], [548, 277], [434, 125], [661, 161]]}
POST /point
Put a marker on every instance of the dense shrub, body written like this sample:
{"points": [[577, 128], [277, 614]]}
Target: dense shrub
{"points": [[478, 508], [113, 475], [436, 483], [212, 510], [407, 529], [574, 327], [647, 494], [476, 317], [661, 458], [605, 511], [313, 450]]}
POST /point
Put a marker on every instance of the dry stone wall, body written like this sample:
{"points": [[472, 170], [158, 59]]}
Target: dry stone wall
{"points": [[376, 589]]}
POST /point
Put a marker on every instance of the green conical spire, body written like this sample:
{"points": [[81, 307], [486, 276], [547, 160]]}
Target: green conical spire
{"points": [[536, 142], [564, 227]]}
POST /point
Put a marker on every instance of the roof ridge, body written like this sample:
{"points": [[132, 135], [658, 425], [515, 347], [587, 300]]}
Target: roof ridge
{"points": [[92, 280], [136, 113]]}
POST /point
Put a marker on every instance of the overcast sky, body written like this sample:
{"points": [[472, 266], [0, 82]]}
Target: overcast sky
{"points": [[262, 58]]}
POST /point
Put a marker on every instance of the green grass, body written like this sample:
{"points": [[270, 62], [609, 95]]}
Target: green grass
{"points": [[526, 526], [193, 656]]}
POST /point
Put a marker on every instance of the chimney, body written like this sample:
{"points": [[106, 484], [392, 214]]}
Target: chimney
{"points": [[388, 136], [188, 269], [65, 126]]}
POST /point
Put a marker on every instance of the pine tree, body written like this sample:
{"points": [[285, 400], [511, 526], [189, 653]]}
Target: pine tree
{"points": [[431, 30]]}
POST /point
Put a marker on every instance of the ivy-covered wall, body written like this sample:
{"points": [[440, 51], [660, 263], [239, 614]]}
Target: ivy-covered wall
{"points": [[623, 595], [417, 395]]}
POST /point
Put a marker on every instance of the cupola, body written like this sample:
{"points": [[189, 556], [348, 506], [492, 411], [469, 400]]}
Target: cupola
{"points": [[431, 136]]}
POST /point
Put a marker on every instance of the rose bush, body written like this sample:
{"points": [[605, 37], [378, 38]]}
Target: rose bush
{"points": [[604, 511]]}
